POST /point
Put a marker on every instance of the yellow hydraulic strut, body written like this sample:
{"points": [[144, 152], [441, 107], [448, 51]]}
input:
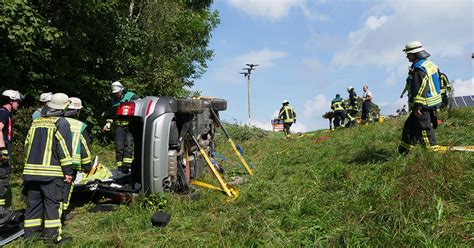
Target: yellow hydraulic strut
{"points": [[247, 167], [230, 190]]}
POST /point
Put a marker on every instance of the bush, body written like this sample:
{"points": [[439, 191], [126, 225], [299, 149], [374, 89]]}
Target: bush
{"points": [[244, 133]]}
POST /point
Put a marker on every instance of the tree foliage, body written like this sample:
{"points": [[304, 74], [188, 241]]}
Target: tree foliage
{"points": [[78, 47], [154, 47]]}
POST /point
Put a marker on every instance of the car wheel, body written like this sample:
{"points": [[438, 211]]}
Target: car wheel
{"points": [[219, 104]]}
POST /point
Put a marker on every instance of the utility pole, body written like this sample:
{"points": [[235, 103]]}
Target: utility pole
{"points": [[247, 75]]}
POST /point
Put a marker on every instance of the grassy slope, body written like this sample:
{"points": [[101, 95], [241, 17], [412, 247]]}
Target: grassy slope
{"points": [[349, 187]]}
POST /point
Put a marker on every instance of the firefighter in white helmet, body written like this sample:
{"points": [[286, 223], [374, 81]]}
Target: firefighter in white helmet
{"points": [[81, 151], [44, 99], [123, 136], [288, 115], [10, 101], [352, 107], [48, 167], [424, 98]]}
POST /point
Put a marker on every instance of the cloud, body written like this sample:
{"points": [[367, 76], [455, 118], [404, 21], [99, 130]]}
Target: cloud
{"points": [[391, 24], [314, 64], [316, 107], [298, 127], [390, 108], [265, 58], [276, 10], [371, 24], [463, 88], [263, 125], [269, 9]]}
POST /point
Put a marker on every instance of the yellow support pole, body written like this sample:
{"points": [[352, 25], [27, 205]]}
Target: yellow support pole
{"points": [[247, 167]]}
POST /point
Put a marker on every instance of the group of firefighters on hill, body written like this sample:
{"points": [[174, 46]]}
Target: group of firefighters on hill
{"points": [[348, 109], [56, 148], [427, 89]]}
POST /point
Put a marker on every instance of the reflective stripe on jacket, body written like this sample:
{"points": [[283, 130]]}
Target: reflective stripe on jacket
{"points": [[429, 93], [445, 85], [81, 154], [337, 105], [287, 114], [48, 148]]}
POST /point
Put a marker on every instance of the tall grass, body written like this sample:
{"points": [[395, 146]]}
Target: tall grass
{"points": [[344, 188]]}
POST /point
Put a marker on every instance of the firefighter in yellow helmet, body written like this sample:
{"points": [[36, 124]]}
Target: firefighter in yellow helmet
{"points": [[81, 152], [288, 115], [48, 167]]}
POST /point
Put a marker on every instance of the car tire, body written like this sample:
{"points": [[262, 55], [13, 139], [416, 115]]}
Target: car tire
{"points": [[190, 106], [219, 104]]}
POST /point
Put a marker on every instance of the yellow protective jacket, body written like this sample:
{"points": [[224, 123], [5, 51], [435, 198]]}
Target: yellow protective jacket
{"points": [[81, 152], [47, 148], [287, 114]]}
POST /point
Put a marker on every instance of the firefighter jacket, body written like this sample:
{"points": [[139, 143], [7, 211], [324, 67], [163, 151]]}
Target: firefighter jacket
{"points": [[337, 104], [287, 114], [352, 101], [81, 153], [48, 148], [445, 85], [424, 85]]}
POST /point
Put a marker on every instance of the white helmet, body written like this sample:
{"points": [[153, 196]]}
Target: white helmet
{"points": [[285, 101], [413, 47], [350, 88], [76, 103], [46, 97], [58, 101], [116, 87], [13, 95]]}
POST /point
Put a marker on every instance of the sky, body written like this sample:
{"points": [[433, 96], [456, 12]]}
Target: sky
{"points": [[310, 50]]}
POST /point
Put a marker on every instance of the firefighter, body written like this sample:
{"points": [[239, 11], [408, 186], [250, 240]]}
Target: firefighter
{"points": [[424, 99], [44, 99], [123, 136], [445, 87], [337, 107], [10, 103], [48, 167], [81, 152], [352, 107], [367, 104], [288, 115]]}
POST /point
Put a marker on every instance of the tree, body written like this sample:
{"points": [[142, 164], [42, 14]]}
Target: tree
{"points": [[154, 47]]}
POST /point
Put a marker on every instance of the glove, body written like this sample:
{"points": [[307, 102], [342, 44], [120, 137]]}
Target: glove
{"points": [[107, 126], [4, 154], [294, 121]]}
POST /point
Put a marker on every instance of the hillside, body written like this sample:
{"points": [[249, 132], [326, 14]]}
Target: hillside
{"points": [[348, 187]]}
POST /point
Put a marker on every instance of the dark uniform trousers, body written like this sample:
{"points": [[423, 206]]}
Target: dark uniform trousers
{"points": [[44, 209], [366, 107], [5, 170], [124, 146], [286, 127], [418, 130], [338, 118]]}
